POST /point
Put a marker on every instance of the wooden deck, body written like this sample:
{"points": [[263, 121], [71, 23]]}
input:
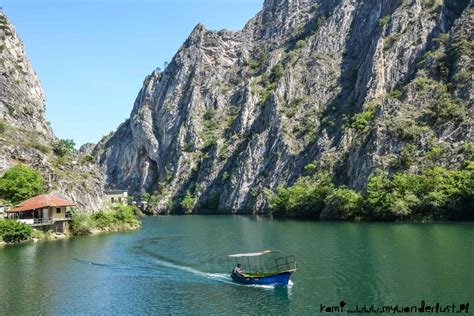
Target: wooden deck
{"points": [[48, 221]]}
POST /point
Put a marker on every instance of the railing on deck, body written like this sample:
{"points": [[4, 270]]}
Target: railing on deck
{"points": [[42, 221], [28, 221]]}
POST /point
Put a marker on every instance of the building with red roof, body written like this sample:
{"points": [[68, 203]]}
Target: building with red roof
{"points": [[43, 211]]}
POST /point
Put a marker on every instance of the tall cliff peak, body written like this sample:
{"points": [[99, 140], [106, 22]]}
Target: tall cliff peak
{"points": [[25, 135], [288, 6], [21, 95], [344, 86]]}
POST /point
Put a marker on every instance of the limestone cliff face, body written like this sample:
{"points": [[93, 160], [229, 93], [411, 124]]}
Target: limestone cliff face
{"points": [[349, 86], [22, 98], [25, 135]]}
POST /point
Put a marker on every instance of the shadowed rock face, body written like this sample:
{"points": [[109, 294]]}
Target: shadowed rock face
{"points": [[25, 135], [350, 86]]}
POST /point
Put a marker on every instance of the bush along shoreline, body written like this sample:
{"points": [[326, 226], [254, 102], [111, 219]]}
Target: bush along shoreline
{"points": [[22, 182], [433, 194], [12, 231], [112, 219], [116, 218]]}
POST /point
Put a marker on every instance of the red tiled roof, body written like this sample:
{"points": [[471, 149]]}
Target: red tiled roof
{"points": [[41, 201]]}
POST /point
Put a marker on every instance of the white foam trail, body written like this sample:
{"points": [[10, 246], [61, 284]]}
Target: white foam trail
{"points": [[221, 277], [183, 268], [259, 286]]}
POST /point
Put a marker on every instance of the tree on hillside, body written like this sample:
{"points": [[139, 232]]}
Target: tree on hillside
{"points": [[64, 147], [20, 183]]}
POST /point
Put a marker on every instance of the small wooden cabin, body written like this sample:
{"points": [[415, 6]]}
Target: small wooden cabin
{"points": [[45, 212]]}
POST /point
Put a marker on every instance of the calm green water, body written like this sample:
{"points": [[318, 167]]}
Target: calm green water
{"points": [[178, 265]]}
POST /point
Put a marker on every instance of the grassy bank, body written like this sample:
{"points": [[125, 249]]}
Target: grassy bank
{"points": [[117, 218]]}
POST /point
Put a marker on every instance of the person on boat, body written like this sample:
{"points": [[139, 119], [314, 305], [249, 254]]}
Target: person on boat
{"points": [[238, 271]]}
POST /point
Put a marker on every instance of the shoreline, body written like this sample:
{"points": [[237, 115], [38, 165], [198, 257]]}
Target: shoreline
{"points": [[309, 219], [108, 230], [60, 236]]}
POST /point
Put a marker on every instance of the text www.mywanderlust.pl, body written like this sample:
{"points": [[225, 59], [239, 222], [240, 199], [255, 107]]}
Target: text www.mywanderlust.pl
{"points": [[423, 307]]}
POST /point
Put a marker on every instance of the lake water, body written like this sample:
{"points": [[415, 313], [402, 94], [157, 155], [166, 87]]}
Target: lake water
{"points": [[177, 264]]}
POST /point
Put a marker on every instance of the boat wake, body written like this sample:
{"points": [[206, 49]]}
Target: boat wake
{"points": [[217, 277], [113, 265]]}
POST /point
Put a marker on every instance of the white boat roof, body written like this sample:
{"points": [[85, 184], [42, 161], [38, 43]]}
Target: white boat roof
{"points": [[251, 254]]}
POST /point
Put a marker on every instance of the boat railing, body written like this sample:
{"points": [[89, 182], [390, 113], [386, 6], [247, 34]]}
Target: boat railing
{"points": [[285, 263], [272, 264]]}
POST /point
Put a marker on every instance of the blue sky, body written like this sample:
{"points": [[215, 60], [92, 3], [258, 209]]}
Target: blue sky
{"points": [[92, 55]]}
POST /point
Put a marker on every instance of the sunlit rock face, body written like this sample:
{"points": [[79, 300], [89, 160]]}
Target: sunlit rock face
{"points": [[25, 135], [349, 86]]}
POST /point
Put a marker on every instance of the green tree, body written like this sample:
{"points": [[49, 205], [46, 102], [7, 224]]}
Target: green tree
{"points": [[433, 193], [64, 147], [88, 159], [20, 183], [304, 199], [361, 120], [348, 202], [126, 214], [152, 199], [188, 202], [277, 72], [378, 189], [146, 197], [12, 231]]}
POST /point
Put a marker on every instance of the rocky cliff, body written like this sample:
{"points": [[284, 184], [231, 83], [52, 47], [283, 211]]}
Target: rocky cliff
{"points": [[25, 135], [345, 86]]}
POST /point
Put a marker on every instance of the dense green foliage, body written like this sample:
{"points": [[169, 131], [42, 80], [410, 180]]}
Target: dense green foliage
{"points": [[348, 202], [188, 202], [257, 63], [82, 224], [435, 193], [63, 147], [88, 159], [120, 217], [361, 120], [20, 183], [12, 231], [444, 107], [151, 200], [305, 198]]}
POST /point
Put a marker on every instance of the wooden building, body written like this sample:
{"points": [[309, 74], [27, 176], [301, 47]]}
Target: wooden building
{"points": [[44, 212]]}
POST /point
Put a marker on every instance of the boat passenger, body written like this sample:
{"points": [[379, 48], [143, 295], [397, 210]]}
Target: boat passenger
{"points": [[238, 271]]}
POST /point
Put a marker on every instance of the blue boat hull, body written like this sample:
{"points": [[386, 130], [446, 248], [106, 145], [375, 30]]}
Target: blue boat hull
{"points": [[277, 279]]}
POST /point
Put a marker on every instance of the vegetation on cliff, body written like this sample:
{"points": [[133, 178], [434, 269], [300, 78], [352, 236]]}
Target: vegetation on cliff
{"points": [[434, 193], [348, 86]]}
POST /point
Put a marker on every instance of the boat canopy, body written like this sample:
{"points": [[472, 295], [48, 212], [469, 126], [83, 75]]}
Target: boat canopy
{"points": [[252, 254]]}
